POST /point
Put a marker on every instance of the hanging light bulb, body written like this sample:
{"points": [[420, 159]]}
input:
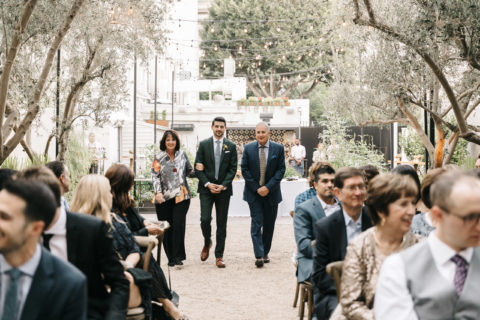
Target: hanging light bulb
{"points": [[279, 60], [259, 63], [311, 27], [245, 30], [278, 29], [221, 65], [299, 58], [283, 57], [320, 39], [239, 64], [240, 49], [291, 43], [265, 46], [130, 11], [204, 66], [212, 29], [309, 54], [215, 48]]}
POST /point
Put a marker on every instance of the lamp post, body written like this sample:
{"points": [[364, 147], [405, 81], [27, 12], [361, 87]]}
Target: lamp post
{"points": [[57, 111], [173, 94], [135, 121], [155, 106]]}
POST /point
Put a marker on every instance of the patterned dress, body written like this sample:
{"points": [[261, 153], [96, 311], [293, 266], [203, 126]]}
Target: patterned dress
{"points": [[420, 225], [361, 268]]}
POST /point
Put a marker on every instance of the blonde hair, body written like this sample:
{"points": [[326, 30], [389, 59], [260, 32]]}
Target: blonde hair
{"points": [[92, 197]]}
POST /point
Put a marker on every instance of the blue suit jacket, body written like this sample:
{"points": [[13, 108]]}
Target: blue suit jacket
{"points": [[58, 291], [306, 215], [273, 173]]}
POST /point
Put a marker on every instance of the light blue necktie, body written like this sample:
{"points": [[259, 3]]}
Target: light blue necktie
{"points": [[218, 153], [10, 307]]}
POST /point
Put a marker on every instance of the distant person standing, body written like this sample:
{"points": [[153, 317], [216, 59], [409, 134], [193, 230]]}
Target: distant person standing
{"points": [[170, 169], [215, 167], [263, 167], [297, 157], [95, 149]]}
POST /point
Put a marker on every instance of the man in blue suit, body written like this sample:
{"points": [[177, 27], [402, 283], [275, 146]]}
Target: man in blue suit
{"points": [[309, 212], [35, 284], [263, 167]]}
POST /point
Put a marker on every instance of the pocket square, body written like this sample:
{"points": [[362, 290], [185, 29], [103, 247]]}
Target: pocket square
{"points": [[227, 151], [273, 157]]}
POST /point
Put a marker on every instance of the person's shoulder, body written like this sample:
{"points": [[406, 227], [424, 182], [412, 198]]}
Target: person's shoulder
{"points": [[276, 145], [62, 270], [81, 219], [331, 220], [205, 141], [229, 142], [363, 239], [307, 204], [249, 146]]}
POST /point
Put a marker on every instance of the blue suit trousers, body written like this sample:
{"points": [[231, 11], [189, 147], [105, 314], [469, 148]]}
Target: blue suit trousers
{"points": [[263, 215]]}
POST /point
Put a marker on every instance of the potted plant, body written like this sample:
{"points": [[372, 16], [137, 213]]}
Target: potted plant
{"points": [[252, 101], [277, 102], [260, 101], [241, 102], [268, 101], [285, 101]]}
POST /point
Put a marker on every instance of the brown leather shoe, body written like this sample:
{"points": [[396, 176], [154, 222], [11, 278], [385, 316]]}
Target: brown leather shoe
{"points": [[220, 263], [205, 252]]}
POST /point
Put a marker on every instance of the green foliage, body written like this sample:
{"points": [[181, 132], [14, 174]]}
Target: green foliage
{"points": [[411, 144], [78, 160], [343, 150], [461, 155], [289, 171], [270, 37], [16, 163]]}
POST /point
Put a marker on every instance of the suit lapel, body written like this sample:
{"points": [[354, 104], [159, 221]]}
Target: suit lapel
{"points": [[41, 284], [317, 209], [343, 233], [366, 222], [211, 150], [72, 239], [270, 154]]}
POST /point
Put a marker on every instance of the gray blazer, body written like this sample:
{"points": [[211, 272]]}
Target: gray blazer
{"points": [[306, 215]]}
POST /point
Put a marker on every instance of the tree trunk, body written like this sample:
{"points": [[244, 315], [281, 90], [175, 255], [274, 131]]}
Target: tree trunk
{"points": [[33, 105], [8, 64]]}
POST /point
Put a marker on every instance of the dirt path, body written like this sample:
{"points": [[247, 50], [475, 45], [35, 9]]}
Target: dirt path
{"points": [[240, 291]]}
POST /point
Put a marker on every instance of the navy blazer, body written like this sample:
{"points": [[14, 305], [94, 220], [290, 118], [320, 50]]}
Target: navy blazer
{"points": [[58, 291], [306, 215], [330, 245], [273, 173]]}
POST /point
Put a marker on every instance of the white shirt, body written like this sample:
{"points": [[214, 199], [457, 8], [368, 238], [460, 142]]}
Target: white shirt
{"points": [[214, 142], [328, 208], [58, 243], [298, 152], [24, 281], [392, 298], [353, 228]]}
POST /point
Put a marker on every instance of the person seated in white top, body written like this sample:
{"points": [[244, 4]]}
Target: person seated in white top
{"points": [[438, 279]]}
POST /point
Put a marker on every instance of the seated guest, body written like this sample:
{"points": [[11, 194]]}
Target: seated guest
{"points": [[438, 278], [5, 176], [85, 242], [310, 192], [121, 180], [333, 233], [422, 223], [63, 175], [390, 202], [369, 171], [308, 213], [123, 239], [35, 284]]}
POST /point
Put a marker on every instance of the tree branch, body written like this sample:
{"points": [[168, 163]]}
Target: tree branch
{"points": [[314, 84], [33, 105], [10, 58], [378, 121]]}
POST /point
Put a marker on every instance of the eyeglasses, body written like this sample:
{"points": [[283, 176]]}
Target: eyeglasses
{"points": [[468, 220], [352, 188]]}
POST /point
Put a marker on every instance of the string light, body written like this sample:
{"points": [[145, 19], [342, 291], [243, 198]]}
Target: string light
{"points": [[212, 29], [245, 30]]}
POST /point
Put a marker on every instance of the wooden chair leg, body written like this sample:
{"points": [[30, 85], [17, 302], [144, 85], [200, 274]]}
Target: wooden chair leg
{"points": [[296, 295], [309, 304], [301, 307]]}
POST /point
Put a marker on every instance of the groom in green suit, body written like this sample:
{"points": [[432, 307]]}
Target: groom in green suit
{"points": [[215, 167]]}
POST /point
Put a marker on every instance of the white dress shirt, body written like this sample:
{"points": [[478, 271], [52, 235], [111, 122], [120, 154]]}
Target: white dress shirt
{"points": [[353, 228], [58, 243], [298, 152], [328, 208], [392, 298], [24, 281]]}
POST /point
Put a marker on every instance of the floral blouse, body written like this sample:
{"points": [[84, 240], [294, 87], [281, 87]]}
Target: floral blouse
{"points": [[170, 177]]}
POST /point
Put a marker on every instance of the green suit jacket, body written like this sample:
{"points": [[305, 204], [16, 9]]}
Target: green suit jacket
{"points": [[228, 165]]}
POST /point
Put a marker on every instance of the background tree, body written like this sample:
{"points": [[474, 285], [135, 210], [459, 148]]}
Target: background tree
{"points": [[278, 46]]}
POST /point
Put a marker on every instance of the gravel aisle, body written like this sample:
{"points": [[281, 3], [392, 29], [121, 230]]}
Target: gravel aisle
{"points": [[240, 291]]}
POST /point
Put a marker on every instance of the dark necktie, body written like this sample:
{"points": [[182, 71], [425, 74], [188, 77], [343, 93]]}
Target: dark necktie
{"points": [[10, 307], [263, 165], [460, 272], [218, 153], [46, 240]]}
